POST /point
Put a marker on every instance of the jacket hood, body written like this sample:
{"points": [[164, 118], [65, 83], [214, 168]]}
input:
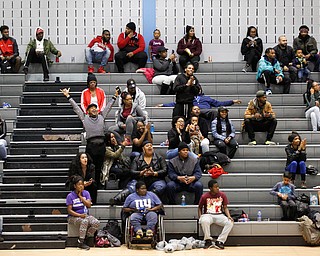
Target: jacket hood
{"points": [[35, 32]]}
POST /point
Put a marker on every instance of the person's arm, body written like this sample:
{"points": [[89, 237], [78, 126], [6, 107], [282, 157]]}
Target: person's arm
{"points": [[114, 155], [108, 107], [162, 171], [181, 47], [155, 208], [200, 206], [53, 49], [136, 170], [270, 110], [179, 83], [291, 154], [140, 114], [141, 44], [244, 46], [161, 66], [275, 190], [74, 105], [73, 213], [84, 104], [250, 111], [171, 172], [173, 137], [215, 133], [197, 173], [85, 201], [91, 43], [122, 41], [4, 129], [259, 46], [15, 48], [216, 103], [198, 49], [233, 130], [226, 212], [313, 42]]}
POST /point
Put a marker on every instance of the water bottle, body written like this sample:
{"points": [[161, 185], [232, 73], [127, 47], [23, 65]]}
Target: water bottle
{"points": [[183, 200], [152, 128], [259, 216]]}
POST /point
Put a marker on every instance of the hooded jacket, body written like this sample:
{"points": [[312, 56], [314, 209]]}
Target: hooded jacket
{"points": [[307, 44], [98, 45], [48, 46], [264, 64]]}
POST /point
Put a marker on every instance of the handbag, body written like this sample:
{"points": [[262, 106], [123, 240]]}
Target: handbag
{"points": [[5, 67], [112, 183]]}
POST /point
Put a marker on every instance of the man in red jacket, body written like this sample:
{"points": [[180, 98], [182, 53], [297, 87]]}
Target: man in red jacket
{"points": [[99, 50], [131, 48], [9, 51]]}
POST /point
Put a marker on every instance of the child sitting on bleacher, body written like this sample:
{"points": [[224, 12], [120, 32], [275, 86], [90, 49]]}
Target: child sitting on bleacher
{"points": [[284, 190]]}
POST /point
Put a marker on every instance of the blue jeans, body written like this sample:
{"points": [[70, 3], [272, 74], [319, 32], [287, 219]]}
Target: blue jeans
{"points": [[295, 167], [303, 72], [158, 186], [171, 153], [97, 57], [174, 187], [151, 219]]}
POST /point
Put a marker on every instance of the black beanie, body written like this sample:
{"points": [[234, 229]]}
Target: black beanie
{"points": [[91, 77], [182, 145], [132, 26], [188, 28]]}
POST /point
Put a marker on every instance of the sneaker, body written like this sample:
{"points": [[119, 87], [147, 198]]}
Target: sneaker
{"points": [[90, 69], [83, 246], [25, 70], [218, 245], [149, 233], [303, 185], [252, 143], [45, 78], [139, 234], [269, 142], [101, 70], [245, 68], [268, 92], [208, 244]]}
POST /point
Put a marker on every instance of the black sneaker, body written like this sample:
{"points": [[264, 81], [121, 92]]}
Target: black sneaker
{"points": [[25, 70], [218, 245], [208, 244], [83, 246]]}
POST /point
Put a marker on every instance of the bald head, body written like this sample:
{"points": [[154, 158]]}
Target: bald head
{"points": [[283, 42]]}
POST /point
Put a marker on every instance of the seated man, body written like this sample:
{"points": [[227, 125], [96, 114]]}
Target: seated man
{"points": [[140, 134], [9, 51], [213, 210], [184, 172], [99, 50], [270, 72], [259, 117], [38, 51], [131, 48]]}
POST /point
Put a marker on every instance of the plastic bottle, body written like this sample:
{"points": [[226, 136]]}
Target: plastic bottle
{"points": [[152, 128], [259, 216], [183, 200]]}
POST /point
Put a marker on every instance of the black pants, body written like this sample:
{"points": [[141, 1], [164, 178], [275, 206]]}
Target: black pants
{"points": [[228, 149], [252, 58], [270, 78], [184, 59], [33, 57], [121, 59], [263, 125], [182, 109], [289, 209], [97, 151]]}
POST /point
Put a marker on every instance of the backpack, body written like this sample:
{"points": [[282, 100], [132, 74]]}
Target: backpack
{"points": [[311, 170], [210, 157], [5, 67], [302, 203], [113, 227], [309, 233], [216, 171], [238, 214]]}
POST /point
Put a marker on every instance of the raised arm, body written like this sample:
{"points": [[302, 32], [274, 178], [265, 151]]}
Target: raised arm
{"points": [[74, 105]]}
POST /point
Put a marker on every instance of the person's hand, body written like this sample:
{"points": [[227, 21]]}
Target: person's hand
{"points": [[188, 128], [190, 81], [311, 90], [88, 183], [230, 218], [83, 215], [317, 103], [284, 197], [172, 57], [285, 68], [298, 66], [143, 172], [124, 143], [147, 129], [123, 126], [2, 58], [59, 54], [227, 140], [277, 71], [307, 56], [149, 172], [267, 115], [280, 78], [237, 101], [130, 54], [190, 179], [9, 57], [182, 179], [65, 91], [187, 50], [257, 115], [130, 34]]}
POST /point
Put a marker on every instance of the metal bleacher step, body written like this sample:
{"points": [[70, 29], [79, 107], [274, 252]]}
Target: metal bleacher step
{"points": [[39, 211]]}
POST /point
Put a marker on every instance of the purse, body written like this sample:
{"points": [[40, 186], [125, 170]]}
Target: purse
{"points": [[112, 183]]}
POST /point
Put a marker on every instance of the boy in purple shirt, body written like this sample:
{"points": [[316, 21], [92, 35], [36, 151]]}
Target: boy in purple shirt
{"points": [[78, 201]]}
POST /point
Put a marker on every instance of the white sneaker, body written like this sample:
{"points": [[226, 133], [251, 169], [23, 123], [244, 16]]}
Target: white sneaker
{"points": [[268, 92], [252, 143]]}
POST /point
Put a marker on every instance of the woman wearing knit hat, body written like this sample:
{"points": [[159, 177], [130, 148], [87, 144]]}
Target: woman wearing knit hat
{"points": [[93, 94], [131, 48], [189, 49], [296, 157]]}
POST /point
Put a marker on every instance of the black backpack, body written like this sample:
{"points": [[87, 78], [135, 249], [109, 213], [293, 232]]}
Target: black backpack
{"points": [[302, 203], [211, 157], [113, 227]]}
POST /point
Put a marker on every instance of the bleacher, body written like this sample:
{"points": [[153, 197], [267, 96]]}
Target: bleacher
{"points": [[32, 191]]}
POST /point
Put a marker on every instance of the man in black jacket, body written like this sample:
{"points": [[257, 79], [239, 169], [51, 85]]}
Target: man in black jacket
{"points": [[186, 86]]}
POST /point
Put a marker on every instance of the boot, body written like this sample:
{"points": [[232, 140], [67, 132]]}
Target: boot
{"points": [[82, 245], [120, 197], [90, 241], [164, 89]]}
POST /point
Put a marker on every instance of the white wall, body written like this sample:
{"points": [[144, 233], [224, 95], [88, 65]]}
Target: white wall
{"points": [[220, 24]]}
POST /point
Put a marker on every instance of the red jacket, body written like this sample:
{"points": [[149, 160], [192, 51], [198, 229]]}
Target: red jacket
{"points": [[9, 47], [134, 44], [86, 99], [98, 42]]}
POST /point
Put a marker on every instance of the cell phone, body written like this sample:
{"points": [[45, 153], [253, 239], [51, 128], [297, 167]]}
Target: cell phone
{"points": [[118, 89]]}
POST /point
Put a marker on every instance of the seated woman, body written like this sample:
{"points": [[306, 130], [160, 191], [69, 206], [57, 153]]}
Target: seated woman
{"points": [[92, 94], [312, 100], [3, 142], [126, 118], [251, 48], [115, 162], [142, 204], [82, 165], [296, 157], [189, 49], [78, 202], [176, 135], [224, 133], [150, 168]]}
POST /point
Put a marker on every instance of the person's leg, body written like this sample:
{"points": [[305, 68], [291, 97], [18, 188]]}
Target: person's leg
{"points": [[117, 131], [89, 56], [152, 219], [183, 60], [286, 85], [265, 78], [44, 63], [250, 128], [300, 74], [195, 61], [135, 220], [93, 225], [130, 122], [16, 63], [223, 221], [303, 170], [205, 145], [121, 59], [285, 210], [158, 187], [314, 115], [158, 80], [172, 189], [139, 58], [178, 110], [221, 145], [270, 125], [171, 153], [292, 168], [83, 225], [293, 73], [315, 59], [197, 188], [3, 150], [206, 221], [232, 147], [292, 210]]}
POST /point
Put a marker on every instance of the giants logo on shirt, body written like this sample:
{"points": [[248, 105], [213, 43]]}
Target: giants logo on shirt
{"points": [[144, 203], [214, 205]]}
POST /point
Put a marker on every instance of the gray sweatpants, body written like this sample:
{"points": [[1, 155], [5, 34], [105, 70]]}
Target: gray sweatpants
{"points": [[219, 219]]}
